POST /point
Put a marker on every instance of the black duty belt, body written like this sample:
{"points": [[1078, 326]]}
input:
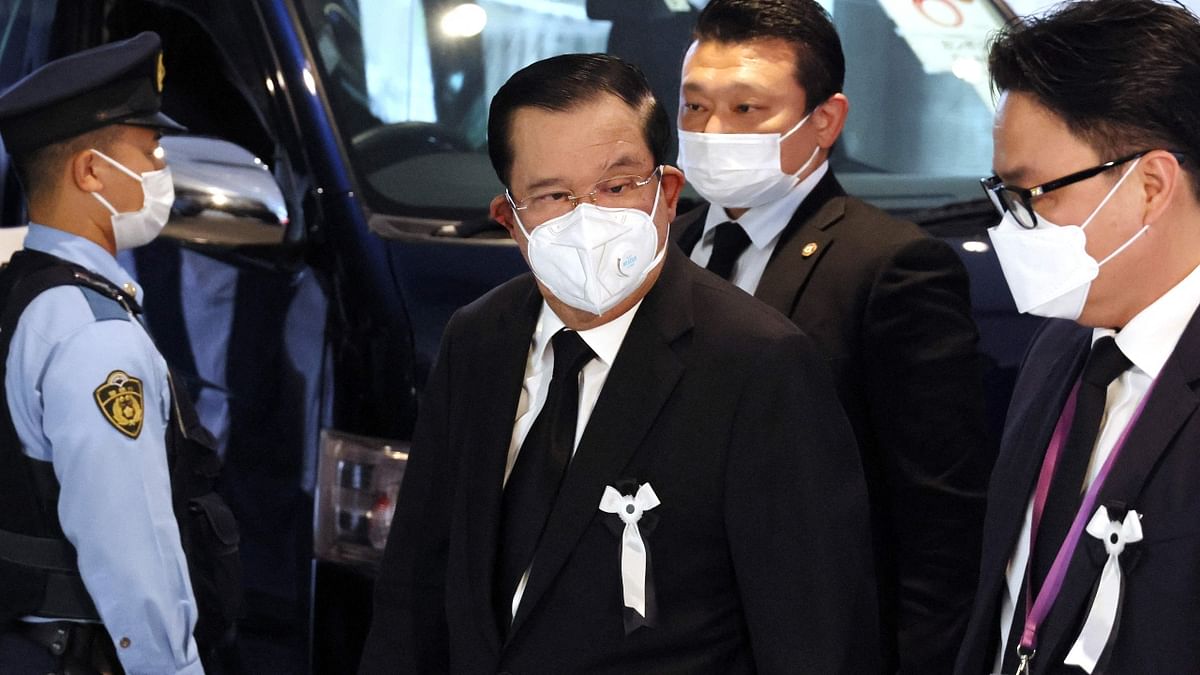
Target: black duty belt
{"points": [[81, 648], [66, 597], [58, 636]]}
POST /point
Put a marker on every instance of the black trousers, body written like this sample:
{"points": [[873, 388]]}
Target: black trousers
{"points": [[21, 656], [27, 649]]}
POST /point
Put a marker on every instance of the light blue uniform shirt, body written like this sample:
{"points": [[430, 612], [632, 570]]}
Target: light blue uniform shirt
{"points": [[115, 504]]}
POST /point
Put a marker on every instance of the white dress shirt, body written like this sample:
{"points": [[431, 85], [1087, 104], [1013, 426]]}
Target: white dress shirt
{"points": [[763, 224], [605, 341], [1147, 340]]}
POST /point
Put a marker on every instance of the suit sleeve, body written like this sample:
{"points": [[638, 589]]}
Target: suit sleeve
{"points": [[926, 403], [408, 628], [797, 520]]}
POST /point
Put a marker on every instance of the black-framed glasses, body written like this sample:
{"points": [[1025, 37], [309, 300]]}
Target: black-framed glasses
{"points": [[1019, 201]]}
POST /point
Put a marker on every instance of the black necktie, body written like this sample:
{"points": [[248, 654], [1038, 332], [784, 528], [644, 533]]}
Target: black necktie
{"points": [[1104, 364], [541, 464], [729, 240]]}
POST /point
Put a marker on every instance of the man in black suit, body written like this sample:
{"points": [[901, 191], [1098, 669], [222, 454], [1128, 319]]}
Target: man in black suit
{"points": [[702, 427], [1092, 535], [887, 304]]}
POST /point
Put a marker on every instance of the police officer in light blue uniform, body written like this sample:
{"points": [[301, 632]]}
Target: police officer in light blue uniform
{"points": [[87, 391]]}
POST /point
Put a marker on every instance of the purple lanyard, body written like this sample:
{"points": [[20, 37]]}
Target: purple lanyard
{"points": [[1036, 610]]}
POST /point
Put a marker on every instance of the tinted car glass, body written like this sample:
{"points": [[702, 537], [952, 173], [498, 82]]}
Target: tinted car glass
{"points": [[410, 81]]}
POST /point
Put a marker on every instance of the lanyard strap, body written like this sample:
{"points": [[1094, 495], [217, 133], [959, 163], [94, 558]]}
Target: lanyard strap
{"points": [[1037, 609]]}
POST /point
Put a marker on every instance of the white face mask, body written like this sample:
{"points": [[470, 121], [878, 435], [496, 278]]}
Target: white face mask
{"points": [[135, 228], [739, 171], [594, 257], [1048, 268]]}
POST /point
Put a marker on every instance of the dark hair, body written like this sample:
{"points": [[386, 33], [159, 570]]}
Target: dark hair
{"points": [[39, 170], [804, 24], [562, 82], [1124, 75]]}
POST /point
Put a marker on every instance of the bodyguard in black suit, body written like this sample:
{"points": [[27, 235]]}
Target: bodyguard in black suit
{"points": [[887, 304], [1091, 560], [702, 430]]}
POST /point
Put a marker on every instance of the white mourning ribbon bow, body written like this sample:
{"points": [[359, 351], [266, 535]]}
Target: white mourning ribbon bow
{"points": [[633, 550], [1088, 648]]}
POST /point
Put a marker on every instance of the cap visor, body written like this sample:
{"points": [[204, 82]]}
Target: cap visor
{"points": [[157, 120]]}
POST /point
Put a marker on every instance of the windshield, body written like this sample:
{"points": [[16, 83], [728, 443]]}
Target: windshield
{"points": [[409, 82]]}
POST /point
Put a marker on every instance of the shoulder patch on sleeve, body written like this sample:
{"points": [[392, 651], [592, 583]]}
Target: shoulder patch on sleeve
{"points": [[120, 401]]}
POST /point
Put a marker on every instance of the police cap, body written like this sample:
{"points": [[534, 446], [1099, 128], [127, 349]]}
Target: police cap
{"points": [[120, 82]]}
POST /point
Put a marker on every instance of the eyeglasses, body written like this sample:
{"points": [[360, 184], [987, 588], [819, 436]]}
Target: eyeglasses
{"points": [[614, 192], [1019, 201]]}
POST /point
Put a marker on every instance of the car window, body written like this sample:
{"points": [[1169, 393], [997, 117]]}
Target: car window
{"points": [[24, 37], [409, 82], [24, 45]]}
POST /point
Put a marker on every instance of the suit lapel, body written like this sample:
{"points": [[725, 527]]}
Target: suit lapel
{"points": [[801, 244], [1171, 402], [502, 356], [793, 258], [641, 380], [1027, 435], [1031, 418]]}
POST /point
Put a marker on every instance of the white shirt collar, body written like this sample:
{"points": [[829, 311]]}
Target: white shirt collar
{"points": [[605, 340], [1150, 337], [764, 223]]}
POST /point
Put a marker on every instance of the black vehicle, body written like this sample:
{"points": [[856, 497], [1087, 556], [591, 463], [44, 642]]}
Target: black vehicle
{"points": [[331, 215]]}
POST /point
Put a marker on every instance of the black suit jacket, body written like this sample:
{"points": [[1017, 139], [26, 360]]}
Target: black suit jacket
{"points": [[889, 306], [759, 553], [1156, 474]]}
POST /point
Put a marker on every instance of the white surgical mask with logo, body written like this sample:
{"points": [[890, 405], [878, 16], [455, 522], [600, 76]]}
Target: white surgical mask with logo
{"points": [[1048, 268], [135, 228], [739, 171], [593, 257]]}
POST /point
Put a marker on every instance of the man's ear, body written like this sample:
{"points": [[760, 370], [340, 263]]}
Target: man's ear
{"points": [[1161, 178], [672, 187], [829, 119], [82, 168], [501, 211]]}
